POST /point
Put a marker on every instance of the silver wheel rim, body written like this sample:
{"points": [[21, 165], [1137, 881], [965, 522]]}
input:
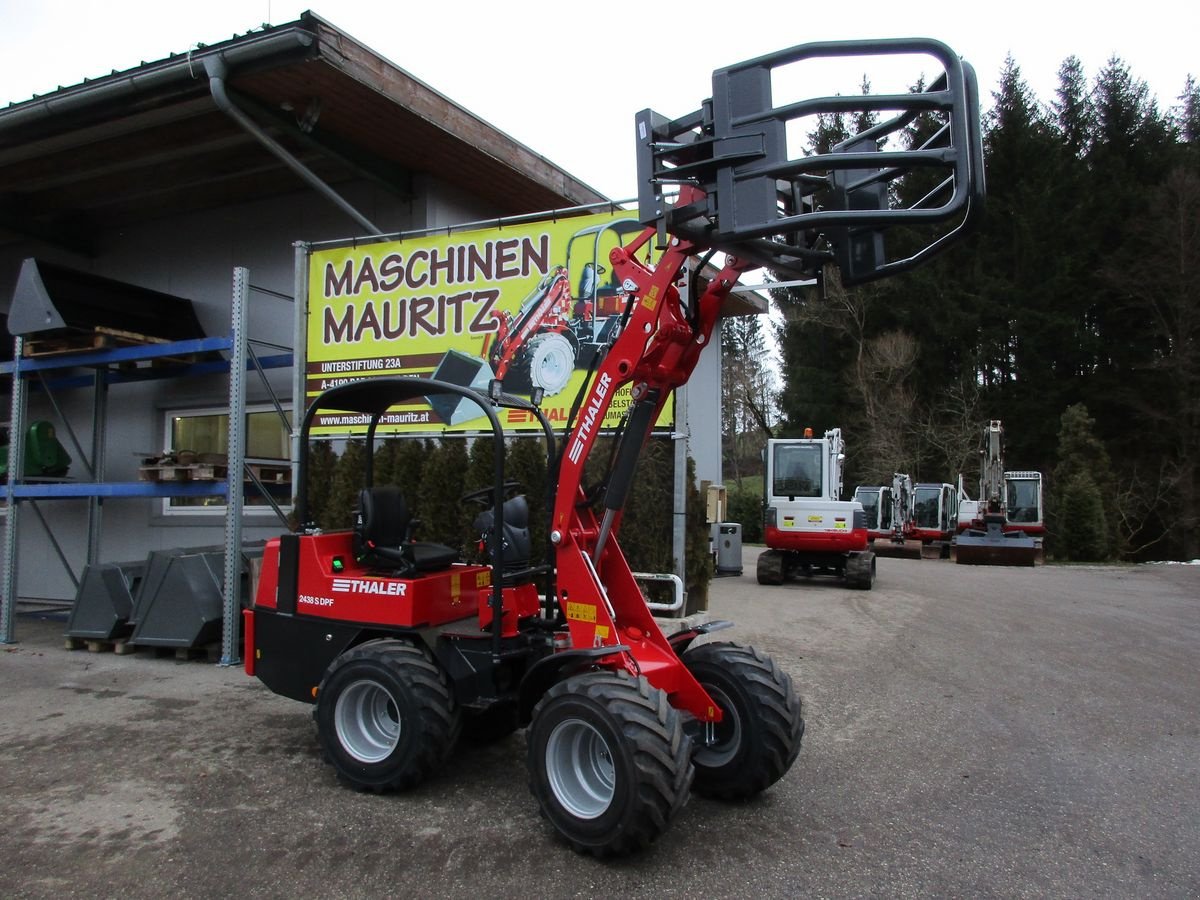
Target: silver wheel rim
{"points": [[580, 767], [728, 733], [367, 720], [553, 363]]}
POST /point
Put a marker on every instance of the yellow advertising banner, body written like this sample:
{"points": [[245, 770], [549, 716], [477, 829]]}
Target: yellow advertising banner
{"points": [[531, 304]]}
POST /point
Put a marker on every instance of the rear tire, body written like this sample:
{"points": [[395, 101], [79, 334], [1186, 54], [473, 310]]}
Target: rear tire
{"points": [[609, 762], [759, 735], [860, 570], [770, 567], [385, 715]]}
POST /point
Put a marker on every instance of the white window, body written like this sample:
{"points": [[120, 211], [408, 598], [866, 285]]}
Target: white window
{"points": [[198, 440]]}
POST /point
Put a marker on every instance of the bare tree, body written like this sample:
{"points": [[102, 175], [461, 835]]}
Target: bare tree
{"points": [[881, 379], [1140, 500], [948, 432], [879, 374]]}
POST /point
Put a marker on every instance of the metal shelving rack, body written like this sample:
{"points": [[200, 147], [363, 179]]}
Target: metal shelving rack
{"points": [[106, 365]]}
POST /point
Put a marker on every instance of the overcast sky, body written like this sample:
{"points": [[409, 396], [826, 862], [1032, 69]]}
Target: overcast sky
{"points": [[567, 84]]}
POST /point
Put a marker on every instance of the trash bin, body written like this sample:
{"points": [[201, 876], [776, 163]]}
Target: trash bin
{"points": [[729, 548]]}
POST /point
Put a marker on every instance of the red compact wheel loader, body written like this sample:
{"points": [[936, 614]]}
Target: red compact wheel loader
{"points": [[401, 647]]}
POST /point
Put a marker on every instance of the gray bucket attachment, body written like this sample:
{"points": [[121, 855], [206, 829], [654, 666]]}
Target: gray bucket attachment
{"points": [[180, 603], [50, 298], [104, 603]]}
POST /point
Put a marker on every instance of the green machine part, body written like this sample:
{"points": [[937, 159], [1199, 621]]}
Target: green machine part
{"points": [[44, 455]]}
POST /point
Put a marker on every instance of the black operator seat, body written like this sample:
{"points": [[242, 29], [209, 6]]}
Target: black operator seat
{"points": [[518, 545], [383, 539]]}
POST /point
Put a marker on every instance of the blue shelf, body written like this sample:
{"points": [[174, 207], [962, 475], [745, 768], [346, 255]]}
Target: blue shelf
{"points": [[115, 361], [116, 355], [121, 489], [123, 356]]}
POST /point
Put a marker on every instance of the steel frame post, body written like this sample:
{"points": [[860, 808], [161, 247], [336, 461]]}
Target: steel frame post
{"points": [[16, 462], [96, 504], [236, 451], [299, 354]]}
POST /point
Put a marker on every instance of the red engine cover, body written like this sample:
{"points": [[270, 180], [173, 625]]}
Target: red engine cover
{"points": [[331, 585]]}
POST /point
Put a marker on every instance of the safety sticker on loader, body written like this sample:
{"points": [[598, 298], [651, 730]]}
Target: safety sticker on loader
{"points": [[581, 612]]}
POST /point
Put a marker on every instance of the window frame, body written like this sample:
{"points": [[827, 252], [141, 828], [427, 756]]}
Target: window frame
{"points": [[167, 509]]}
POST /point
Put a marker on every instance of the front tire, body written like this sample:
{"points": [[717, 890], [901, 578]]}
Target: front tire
{"points": [[609, 762], [385, 715], [759, 736]]}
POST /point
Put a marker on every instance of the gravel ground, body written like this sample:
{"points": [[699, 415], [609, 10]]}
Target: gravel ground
{"points": [[971, 732]]}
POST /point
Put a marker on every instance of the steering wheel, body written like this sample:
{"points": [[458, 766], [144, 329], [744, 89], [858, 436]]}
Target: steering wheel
{"points": [[484, 494]]}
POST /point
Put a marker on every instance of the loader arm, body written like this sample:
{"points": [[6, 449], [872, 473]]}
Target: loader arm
{"points": [[741, 191], [656, 351]]}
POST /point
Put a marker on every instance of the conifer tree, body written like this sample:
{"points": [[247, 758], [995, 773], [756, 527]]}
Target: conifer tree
{"points": [[1024, 312], [1187, 114], [747, 395], [1072, 108], [347, 483], [438, 506], [1083, 496], [408, 464], [383, 466], [527, 467], [1163, 289], [481, 464], [322, 464]]}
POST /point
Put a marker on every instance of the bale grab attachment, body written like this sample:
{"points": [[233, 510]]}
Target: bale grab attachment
{"points": [[795, 214]]}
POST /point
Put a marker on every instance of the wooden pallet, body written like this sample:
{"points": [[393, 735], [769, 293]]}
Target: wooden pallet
{"points": [[206, 653], [119, 646], [194, 472], [99, 338], [126, 647], [268, 474]]}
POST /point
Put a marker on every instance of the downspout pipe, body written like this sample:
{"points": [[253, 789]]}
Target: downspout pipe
{"points": [[216, 70]]}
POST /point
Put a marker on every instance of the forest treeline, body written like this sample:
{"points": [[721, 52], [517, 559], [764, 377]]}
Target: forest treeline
{"points": [[1072, 314]]}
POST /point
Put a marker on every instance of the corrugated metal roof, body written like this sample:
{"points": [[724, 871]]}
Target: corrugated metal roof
{"points": [[138, 144]]}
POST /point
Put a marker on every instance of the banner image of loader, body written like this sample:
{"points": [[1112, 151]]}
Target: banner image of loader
{"points": [[530, 304]]}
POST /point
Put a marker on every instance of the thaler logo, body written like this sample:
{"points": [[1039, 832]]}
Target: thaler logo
{"points": [[360, 586], [590, 415]]}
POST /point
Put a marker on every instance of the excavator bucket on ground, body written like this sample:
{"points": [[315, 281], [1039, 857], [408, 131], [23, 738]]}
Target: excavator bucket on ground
{"points": [[902, 549], [996, 547], [935, 550]]}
